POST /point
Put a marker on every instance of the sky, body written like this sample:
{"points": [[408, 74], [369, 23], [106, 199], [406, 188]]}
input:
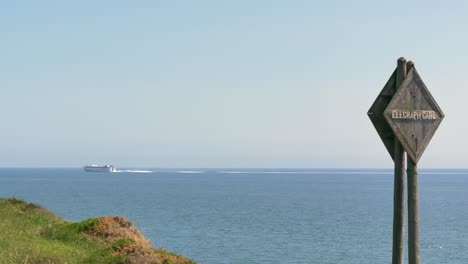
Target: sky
{"points": [[275, 84]]}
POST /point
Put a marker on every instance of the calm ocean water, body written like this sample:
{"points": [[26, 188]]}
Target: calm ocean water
{"points": [[260, 216]]}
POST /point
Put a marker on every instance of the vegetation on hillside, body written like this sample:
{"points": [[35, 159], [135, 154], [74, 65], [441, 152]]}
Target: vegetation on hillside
{"points": [[30, 234]]}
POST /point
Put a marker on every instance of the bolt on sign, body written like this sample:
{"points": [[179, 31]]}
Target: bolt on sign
{"points": [[413, 115]]}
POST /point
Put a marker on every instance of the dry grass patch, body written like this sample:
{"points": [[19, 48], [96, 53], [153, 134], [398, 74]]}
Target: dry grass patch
{"points": [[126, 240]]}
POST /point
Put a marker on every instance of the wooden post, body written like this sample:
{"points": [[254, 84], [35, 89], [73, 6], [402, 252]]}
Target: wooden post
{"points": [[413, 206], [399, 183], [413, 213]]}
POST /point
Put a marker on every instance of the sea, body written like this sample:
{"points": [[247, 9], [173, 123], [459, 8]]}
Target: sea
{"points": [[287, 216]]}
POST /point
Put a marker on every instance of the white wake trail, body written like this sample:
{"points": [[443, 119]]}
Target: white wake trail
{"points": [[135, 171]]}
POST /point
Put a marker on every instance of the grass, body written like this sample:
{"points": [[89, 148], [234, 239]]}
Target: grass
{"points": [[30, 234]]}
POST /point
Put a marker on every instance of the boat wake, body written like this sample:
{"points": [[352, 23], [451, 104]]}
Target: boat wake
{"points": [[135, 171], [189, 172]]}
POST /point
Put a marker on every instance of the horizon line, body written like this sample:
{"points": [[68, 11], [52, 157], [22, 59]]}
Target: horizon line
{"points": [[213, 168]]}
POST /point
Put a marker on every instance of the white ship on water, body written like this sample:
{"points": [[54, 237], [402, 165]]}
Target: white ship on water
{"points": [[97, 168]]}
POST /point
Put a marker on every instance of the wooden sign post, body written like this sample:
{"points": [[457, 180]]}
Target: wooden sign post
{"points": [[406, 117]]}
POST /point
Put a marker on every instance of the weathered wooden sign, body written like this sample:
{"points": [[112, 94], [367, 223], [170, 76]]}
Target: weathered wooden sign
{"points": [[376, 114], [413, 115]]}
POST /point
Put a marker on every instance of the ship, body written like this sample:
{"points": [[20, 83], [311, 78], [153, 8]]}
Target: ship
{"points": [[97, 168]]}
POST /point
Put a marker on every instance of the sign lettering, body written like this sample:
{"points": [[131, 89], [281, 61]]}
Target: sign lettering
{"points": [[415, 114]]}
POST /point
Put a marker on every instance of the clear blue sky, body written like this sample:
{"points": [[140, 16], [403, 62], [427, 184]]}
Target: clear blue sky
{"points": [[221, 83]]}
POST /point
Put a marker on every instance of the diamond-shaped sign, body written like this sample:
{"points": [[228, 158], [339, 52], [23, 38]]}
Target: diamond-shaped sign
{"points": [[413, 115], [376, 114]]}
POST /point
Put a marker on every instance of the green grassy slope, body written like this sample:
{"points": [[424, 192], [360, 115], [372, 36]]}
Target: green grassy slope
{"points": [[31, 234]]}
